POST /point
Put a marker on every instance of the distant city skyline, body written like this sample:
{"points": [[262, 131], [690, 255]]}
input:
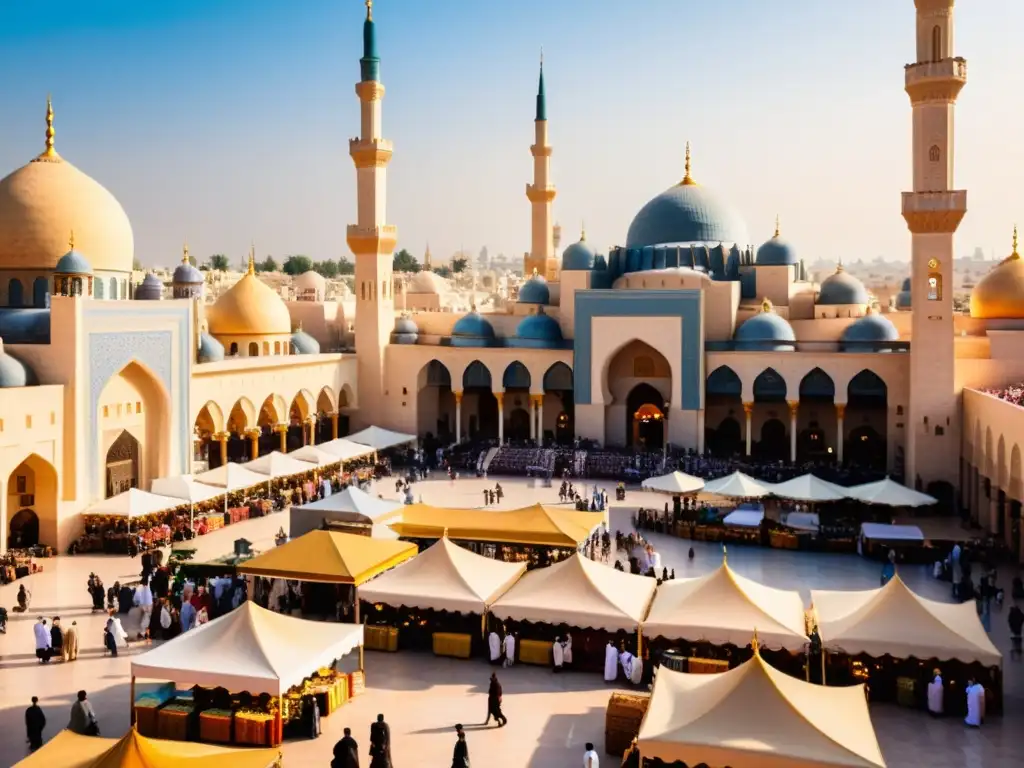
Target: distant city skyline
{"points": [[225, 123]]}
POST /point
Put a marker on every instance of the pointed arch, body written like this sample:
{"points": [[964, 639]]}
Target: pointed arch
{"points": [[242, 416], [346, 398], [724, 382], [210, 418], [769, 386], [133, 400], [867, 385], [476, 375], [273, 410], [558, 378], [817, 384], [326, 401], [516, 376], [32, 489], [434, 374], [301, 406]]}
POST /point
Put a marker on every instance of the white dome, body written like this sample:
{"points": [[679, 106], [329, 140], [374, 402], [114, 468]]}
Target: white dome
{"points": [[428, 282]]}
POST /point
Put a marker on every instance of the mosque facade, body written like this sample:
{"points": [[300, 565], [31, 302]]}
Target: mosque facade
{"points": [[685, 334]]}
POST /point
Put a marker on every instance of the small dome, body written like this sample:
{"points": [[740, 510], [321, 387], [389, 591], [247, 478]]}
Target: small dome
{"points": [[776, 252], [73, 263], [13, 372], [304, 344], [186, 274], [903, 301], [250, 308], [765, 332], [842, 288], [150, 289], [538, 331], [534, 291], [863, 334], [210, 350], [426, 281], [999, 295], [311, 285], [579, 256], [406, 331], [472, 330]]}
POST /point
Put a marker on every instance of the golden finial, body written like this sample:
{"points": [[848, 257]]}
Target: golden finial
{"points": [[688, 179], [252, 260], [776, 226], [49, 153], [369, 10], [583, 231], [1015, 242], [71, 241], [839, 265], [534, 272], [184, 253], [445, 534], [766, 305], [755, 644]]}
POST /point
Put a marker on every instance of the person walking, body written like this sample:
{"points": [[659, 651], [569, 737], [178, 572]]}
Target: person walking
{"points": [[460, 757], [35, 722], [56, 638], [380, 744], [144, 599], [43, 648], [83, 718], [70, 648], [494, 702], [346, 752], [590, 759]]}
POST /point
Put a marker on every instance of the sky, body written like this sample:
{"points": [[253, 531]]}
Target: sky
{"points": [[225, 122]]}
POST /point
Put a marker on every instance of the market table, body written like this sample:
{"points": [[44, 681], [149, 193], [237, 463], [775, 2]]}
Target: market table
{"points": [[454, 644], [215, 725], [380, 638], [173, 722], [535, 652], [254, 728], [146, 712]]}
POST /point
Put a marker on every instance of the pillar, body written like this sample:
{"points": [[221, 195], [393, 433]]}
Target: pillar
{"points": [[282, 431], [334, 425], [794, 407], [311, 423], [254, 439], [533, 417], [458, 417], [748, 412], [840, 431], [500, 397], [540, 420], [222, 438]]}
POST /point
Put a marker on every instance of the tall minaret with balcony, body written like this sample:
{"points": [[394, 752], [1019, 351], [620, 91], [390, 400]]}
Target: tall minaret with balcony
{"points": [[933, 212], [541, 194], [371, 240]]}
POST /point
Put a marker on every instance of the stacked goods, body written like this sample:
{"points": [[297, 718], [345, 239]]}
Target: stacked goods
{"points": [[622, 720], [380, 638]]}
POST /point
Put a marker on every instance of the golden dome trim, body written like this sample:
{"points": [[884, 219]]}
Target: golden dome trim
{"points": [[766, 305]]}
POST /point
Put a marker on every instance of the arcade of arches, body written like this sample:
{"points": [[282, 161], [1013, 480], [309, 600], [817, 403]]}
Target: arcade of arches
{"points": [[992, 481], [509, 406], [245, 432], [30, 504]]}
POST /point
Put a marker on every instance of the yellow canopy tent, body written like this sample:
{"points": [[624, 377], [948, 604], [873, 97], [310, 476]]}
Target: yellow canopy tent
{"points": [[69, 750], [536, 525]]}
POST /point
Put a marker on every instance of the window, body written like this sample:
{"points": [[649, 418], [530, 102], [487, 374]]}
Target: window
{"points": [[934, 287], [934, 154], [362, 291], [277, 347], [254, 349], [106, 411], [138, 406], [266, 347], [113, 287], [643, 367], [234, 348], [15, 293], [76, 286], [936, 43], [99, 289]]}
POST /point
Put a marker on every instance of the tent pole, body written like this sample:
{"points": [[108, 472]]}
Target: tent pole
{"points": [[132, 694], [823, 652], [355, 592], [639, 642]]}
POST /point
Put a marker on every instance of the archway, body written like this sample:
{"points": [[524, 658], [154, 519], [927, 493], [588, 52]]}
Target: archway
{"points": [[299, 413], [435, 406], [769, 406], [40, 293], [816, 412], [516, 382], [209, 421], [646, 413], [272, 414], [31, 504], [122, 464], [636, 363], [867, 406], [723, 405], [326, 415], [241, 419], [774, 443], [134, 401], [518, 426], [558, 391], [479, 406]]}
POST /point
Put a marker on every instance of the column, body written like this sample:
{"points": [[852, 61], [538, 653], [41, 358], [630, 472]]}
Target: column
{"points": [[794, 407], [282, 432], [334, 425], [222, 438], [500, 397], [533, 417], [458, 417], [540, 420], [311, 422], [254, 439], [748, 411], [840, 431]]}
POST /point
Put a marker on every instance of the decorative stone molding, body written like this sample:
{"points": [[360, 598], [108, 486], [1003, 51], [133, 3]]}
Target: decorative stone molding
{"points": [[372, 240], [370, 90], [372, 153], [537, 194]]}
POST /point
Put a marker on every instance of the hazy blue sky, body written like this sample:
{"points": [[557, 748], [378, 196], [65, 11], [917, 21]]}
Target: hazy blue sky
{"points": [[226, 121]]}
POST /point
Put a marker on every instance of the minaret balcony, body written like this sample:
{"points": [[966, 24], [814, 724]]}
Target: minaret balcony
{"points": [[540, 150], [372, 240], [929, 213], [537, 194], [370, 153], [935, 80]]}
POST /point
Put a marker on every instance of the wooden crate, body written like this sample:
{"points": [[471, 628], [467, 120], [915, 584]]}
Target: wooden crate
{"points": [[622, 720], [380, 638]]}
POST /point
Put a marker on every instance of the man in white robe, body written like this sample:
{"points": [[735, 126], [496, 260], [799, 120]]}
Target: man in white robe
{"points": [[611, 663], [567, 650], [935, 695], [636, 672], [626, 660], [975, 704], [556, 654], [510, 649], [494, 645]]}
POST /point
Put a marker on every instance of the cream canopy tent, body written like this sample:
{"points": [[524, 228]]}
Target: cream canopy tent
{"points": [[754, 716], [133, 503], [894, 620], [580, 593], [738, 486], [809, 488], [890, 493], [379, 438], [185, 487], [314, 454], [675, 483], [70, 750], [276, 464], [249, 649], [721, 607], [344, 450], [232, 477], [444, 577], [351, 505]]}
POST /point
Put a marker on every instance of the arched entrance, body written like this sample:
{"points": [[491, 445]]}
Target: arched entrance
{"points": [[122, 465], [24, 530], [241, 419], [774, 443], [516, 382], [326, 414], [479, 406], [558, 399], [769, 406], [645, 409], [31, 505], [723, 406], [865, 419], [816, 410], [133, 401], [435, 405], [205, 451], [518, 427]]}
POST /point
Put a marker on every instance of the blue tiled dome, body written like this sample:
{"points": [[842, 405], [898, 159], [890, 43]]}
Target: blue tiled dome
{"points": [[73, 263], [210, 350], [842, 288], [686, 213], [304, 344], [472, 330], [863, 334], [538, 331], [150, 289], [776, 253], [13, 372], [578, 256], [186, 274], [765, 332], [534, 291], [600, 263], [903, 297], [406, 331]]}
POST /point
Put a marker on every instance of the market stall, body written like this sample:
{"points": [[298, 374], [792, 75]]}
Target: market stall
{"points": [[810, 489], [536, 535], [118, 524], [133, 750], [744, 518], [878, 539], [592, 601], [892, 639], [738, 486], [754, 716], [276, 464], [352, 508], [447, 589], [343, 449], [191, 492], [674, 484], [891, 494], [380, 439], [249, 671], [315, 455]]}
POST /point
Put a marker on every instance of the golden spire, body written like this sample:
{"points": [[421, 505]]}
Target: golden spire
{"points": [[49, 153], [1015, 254], [776, 226], [688, 179], [755, 644], [184, 254], [534, 272], [766, 305], [252, 260], [583, 231], [839, 265], [369, 10], [71, 241]]}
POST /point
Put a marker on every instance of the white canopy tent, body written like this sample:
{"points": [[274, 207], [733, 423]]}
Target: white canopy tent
{"points": [[231, 477], [314, 454], [581, 593], [344, 449], [444, 577], [276, 464], [803, 521], [349, 506], [891, 494], [809, 488], [722, 607], [379, 438], [744, 518], [883, 532], [894, 620], [675, 483], [133, 503], [249, 649], [738, 486], [188, 489]]}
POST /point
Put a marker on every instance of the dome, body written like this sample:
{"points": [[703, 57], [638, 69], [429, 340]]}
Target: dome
{"points": [[150, 289], [406, 331], [903, 297], [13, 372], [73, 263], [40, 203], [999, 295], [537, 331], [842, 288], [210, 350], [472, 330], [185, 273], [600, 262], [311, 283], [863, 334], [250, 308], [765, 332], [304, 344], [579, 255], [776, 252], [425, 281], [534, 291], [686, 213]]}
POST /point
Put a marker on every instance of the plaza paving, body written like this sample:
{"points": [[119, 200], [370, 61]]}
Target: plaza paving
{"points": [[550, 717]]}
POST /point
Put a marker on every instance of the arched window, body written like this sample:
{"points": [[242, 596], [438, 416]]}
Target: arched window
{"points": [[234, 348], [643, 367], [40, 292], [936, 43], [277, 347], [935, 154], [254, 349], [266, 348], [113, 287], [15, 293], [362, 291], [76, 286], [124, 289], [934, 286], [98, 289]]}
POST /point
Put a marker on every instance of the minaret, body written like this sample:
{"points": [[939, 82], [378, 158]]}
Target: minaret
{"points": [[371, 240], [427, 260], [541, 194], [933, 212]]}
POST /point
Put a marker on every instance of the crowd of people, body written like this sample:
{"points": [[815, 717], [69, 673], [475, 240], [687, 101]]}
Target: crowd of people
{"points": [[1012, 394]]}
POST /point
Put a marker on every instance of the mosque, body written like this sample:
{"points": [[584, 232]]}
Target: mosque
{"points": [[687, 333]]}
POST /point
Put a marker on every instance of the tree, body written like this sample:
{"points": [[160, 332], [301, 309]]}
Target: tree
{"points": [[297, 265], [328, 268], [136, 265], [405, 262], [219, 262], [459, 264], [443, 271], [267, 265], [346, 267]]}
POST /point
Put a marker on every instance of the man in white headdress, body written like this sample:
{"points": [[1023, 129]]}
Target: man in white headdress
{"points": [[975, 704], [510, 649], [556, 654], [935, 694], [567, 650], [494, 646], [636, 671], [611, 663]]}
